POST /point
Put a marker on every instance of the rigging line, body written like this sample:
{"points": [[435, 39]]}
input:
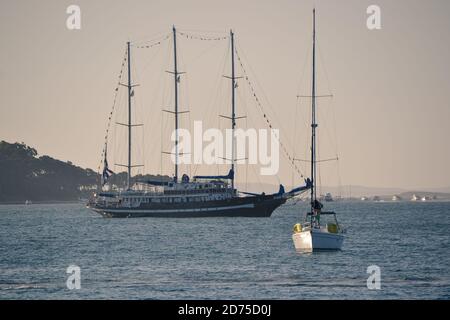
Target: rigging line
{"points": [[195, 59], [260, 105], [218, 94], [295, 134], [154, 124], [256, 174], [324, 68], [153, 37], [337, 150], [108, 127], [267, 101], [221, 100], [327, 129], [303, 72], [333, 115], [146, 44], [138, 113], [221, 32], [298, 107], [161, 143], [302, 127], [187, 107], [165, 96], [138, 102], [321, 113], [269, 123], [200, 37], [151, 60], [246, 166], [252, 124]]}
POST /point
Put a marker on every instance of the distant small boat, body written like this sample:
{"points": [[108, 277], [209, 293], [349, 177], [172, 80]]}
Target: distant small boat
{"points": [[396, 198], [364, 199], [376, 198], [28, 202], [415, 198], [328, 197]]}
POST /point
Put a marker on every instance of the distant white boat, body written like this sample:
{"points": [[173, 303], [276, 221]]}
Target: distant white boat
{"points": [[415, 198], [328, 197], [28, 202], [396, 198], [364, 199]]}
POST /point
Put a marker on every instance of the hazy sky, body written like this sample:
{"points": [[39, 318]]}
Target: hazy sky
{"points": [[390, 86]]}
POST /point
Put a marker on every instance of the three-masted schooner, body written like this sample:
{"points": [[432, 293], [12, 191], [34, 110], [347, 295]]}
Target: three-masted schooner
{"points": [[203, 196]]}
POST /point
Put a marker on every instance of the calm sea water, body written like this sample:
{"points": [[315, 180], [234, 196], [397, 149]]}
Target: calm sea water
{"points": [[223, 258]]}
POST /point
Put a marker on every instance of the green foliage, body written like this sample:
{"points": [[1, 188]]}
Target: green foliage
{"points": [[25, 176]]}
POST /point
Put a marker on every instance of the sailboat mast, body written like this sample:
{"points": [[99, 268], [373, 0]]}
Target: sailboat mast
{"points": [[313, 116], [233, 113], [176, 100], [129, 116]]}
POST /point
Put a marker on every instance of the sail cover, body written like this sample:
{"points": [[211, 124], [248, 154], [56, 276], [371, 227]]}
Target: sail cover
{"points": [[230, 176]]}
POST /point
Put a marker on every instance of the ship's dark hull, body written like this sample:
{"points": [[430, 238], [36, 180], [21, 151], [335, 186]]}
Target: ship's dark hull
{"points": [[257, 206]]}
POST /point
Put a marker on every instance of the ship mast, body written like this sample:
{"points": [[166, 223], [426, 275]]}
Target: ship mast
{"points": [[313, 118], [130, 86], [175, 73], [129, 116], [233, 113]]}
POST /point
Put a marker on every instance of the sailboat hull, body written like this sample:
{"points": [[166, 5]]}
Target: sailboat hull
{"points": [[317, 240], [262, 206]]}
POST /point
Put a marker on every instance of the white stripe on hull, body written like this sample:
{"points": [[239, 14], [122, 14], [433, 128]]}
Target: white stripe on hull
{"points": [[131, 210]]}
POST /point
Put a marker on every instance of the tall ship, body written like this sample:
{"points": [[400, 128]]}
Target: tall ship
{"points": [[199, 196]]}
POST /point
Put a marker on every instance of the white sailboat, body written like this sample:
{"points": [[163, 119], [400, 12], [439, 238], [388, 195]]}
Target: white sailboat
{"points": [[314, 234]]}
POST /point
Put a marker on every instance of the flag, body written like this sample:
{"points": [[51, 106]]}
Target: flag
{"points": [[106, 172]]}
